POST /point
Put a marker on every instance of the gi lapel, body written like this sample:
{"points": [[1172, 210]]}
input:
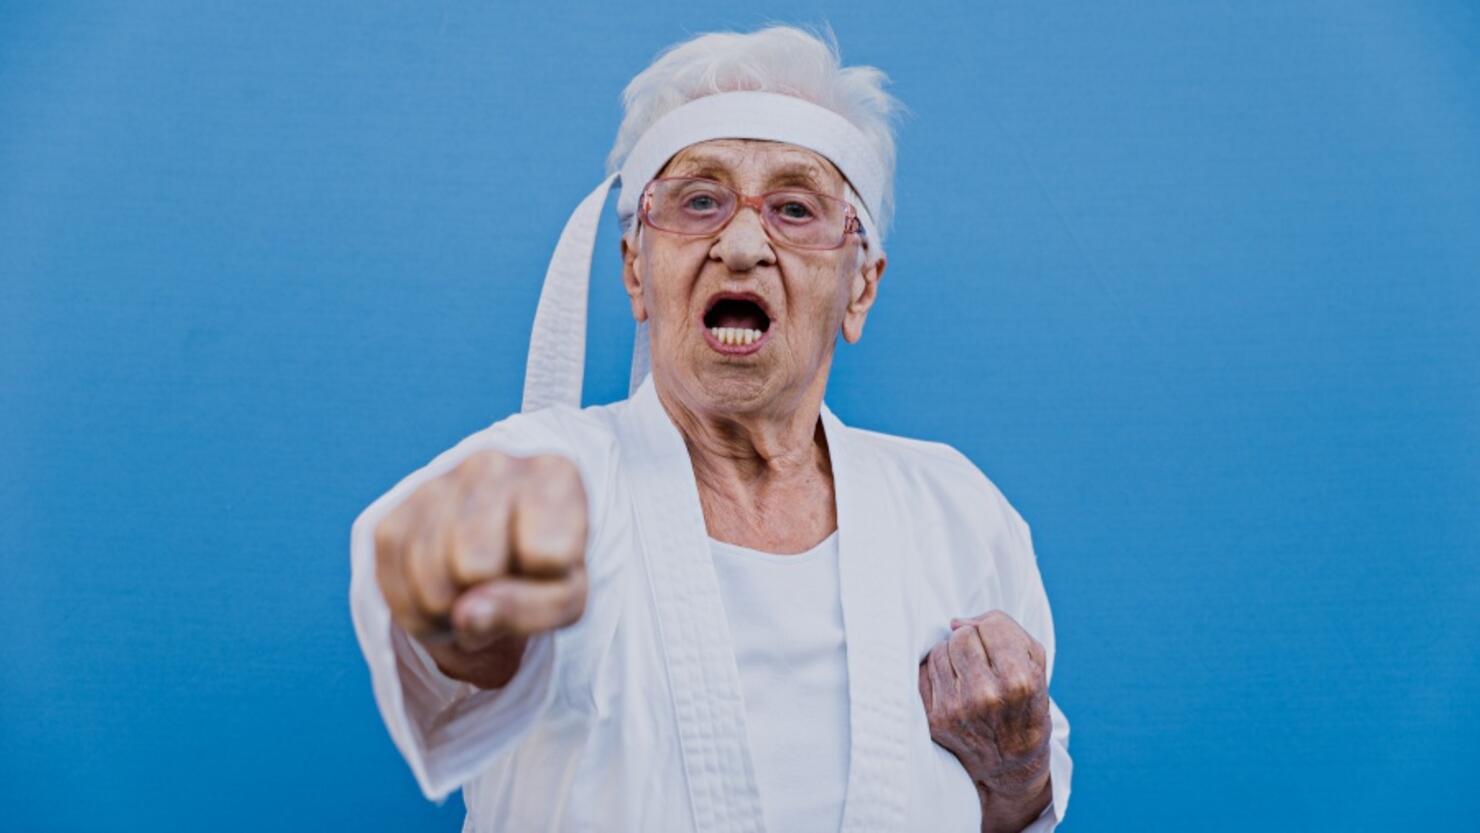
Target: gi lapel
{"points": [[881, 674], [702, 674]]}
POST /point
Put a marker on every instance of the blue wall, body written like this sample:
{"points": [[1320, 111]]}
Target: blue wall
{"points": [[1197, 284]]}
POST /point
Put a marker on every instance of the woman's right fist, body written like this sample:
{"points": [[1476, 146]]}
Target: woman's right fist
{"points": [[488, 553]]}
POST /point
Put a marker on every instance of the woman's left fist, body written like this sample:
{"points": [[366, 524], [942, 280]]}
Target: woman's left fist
{"points": [[985, 689]]}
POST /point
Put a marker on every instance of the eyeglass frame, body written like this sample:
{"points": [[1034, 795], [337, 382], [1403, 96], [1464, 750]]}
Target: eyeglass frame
{"points": [[851, 222]]}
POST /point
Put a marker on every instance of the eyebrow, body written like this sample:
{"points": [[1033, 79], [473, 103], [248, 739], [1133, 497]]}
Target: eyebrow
{"points": [[792, 173]]}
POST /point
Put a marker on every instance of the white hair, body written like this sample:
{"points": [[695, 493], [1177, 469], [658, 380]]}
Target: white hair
{"points": [[778, 59]]}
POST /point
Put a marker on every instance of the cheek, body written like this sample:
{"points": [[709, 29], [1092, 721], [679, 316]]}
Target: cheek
{"points": [[668, 290], [816, 319], [830, 301]]}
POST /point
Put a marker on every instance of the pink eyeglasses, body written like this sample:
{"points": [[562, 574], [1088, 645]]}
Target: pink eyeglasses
{"points": [[696, 207]]}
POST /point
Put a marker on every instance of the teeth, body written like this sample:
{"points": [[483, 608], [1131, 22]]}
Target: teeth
{"points": [[736, 336]]}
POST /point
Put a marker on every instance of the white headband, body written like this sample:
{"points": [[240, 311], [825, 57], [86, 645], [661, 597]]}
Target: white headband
{"points": [[557, 346]]}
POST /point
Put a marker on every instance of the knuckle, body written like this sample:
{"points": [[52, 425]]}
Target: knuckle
{"points": [[554, 477], [485, 479], [996, 619], [391, 532], [428, 495], [387, 534], [548, 540], [964, 645], [987, 697], [477, 548], [1021, 686], [485, 464], [1036, 652]]}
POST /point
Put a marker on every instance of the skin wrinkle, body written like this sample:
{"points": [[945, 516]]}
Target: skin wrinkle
{"points": [[801, 173]]}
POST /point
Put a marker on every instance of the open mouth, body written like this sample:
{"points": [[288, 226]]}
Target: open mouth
{"points": [[736, 323]]}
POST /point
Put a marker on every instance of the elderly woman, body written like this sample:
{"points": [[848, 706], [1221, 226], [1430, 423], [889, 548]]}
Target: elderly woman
{"points": [[713, 606]]}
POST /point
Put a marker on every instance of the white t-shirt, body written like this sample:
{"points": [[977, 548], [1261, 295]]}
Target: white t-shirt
{"points": [[786, 618]]}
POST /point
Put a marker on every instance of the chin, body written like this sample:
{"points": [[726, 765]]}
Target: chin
{"points": [[735, 389]]}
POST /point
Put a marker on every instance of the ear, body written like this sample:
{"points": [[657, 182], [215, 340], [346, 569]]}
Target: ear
{"points": [[862, 294], [631, 274]]}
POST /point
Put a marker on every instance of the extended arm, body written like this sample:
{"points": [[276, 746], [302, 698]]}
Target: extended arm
{"points": [[456, 686]]}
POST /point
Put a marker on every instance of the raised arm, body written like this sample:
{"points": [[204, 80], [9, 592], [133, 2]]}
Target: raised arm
{"points": [[985, 690]]}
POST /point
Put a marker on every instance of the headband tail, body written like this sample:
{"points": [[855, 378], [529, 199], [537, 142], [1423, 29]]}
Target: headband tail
{"points": [[557, 345]]}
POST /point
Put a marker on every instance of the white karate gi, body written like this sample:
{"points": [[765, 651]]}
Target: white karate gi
{"points": [[632, 719]]}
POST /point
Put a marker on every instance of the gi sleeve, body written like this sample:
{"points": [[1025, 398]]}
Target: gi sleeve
{"points": [[448, 730], [1027, 604]]}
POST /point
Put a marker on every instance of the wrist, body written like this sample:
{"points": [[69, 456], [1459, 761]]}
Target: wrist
{"points": [[1011, 801]]}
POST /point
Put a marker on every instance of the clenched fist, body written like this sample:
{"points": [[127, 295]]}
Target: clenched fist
{"points": [[483, 556], [985, 690]]}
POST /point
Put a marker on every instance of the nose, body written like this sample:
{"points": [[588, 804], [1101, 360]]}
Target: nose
{"points": [[743, 244]]}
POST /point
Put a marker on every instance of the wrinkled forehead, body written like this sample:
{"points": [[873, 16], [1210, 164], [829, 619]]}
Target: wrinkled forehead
{"points": [[757, 164]]}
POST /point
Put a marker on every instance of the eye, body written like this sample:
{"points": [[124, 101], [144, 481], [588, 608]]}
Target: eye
{"points": [[794, 210], [701, 202]]}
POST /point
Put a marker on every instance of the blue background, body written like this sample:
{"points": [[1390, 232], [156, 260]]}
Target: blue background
{"points": [[1197, 284]]}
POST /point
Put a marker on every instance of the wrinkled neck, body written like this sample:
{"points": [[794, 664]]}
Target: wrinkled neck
{"points": [[742, 455]]}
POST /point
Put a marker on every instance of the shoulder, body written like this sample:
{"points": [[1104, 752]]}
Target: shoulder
{"points": [[943, 473], [924, 458], [584, 434], [977, 551]]}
